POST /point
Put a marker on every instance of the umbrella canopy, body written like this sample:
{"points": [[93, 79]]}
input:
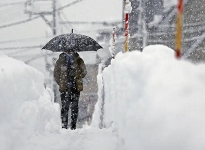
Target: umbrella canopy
{"points": [[73, 42]]}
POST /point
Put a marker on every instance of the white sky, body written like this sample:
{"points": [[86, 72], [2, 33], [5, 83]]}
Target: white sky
{"points": [[87, 10], [152, 101], [94, 10]]}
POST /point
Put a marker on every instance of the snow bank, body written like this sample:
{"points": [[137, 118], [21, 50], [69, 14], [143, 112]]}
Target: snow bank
{"points": [[155, 101], [26, 106]]}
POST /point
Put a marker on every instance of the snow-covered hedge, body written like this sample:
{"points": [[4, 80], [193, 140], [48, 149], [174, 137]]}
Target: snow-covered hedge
{"points": [[155, 101], [25, 104]]}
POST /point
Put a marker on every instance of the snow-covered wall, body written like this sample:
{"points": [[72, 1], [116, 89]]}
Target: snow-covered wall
{"points": [[154, 101], [24, 101]]}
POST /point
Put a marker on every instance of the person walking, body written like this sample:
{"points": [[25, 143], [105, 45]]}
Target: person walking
{"points": [[69, 72]]}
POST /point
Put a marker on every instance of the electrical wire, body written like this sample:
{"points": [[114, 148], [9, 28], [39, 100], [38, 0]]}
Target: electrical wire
{"points": [[19, 22], [27, 20], [17, 52], [68, 5], [68, 26], [21, 47], [10, 14], [11, 9], [11, 4], [23, 39]]}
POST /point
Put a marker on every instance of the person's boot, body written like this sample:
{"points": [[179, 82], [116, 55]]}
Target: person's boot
{"points": [[64, 123], [73, 126], [65, 126]]}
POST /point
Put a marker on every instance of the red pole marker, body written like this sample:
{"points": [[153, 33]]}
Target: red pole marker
{"points": [[126, 31], [127, 11], [179, 23]]}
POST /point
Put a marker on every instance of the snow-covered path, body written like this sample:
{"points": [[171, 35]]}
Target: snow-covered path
{"points": [[80, 139], [30, 120], [151, 101]]}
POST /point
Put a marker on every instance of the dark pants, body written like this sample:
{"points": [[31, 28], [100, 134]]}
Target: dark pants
{"points": [[69, 99]]}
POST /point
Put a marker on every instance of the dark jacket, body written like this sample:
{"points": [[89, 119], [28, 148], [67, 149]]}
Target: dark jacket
{"points": [[61, 72]]}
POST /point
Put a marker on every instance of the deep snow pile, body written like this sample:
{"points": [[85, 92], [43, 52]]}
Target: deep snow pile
{"points": [[26, 106], [29, 119], [154, 101]]}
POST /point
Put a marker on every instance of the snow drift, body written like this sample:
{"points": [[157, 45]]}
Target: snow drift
{"points": [[154, 101], [26, 106]]}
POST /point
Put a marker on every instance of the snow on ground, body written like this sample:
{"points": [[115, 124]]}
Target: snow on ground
{"points": [[26, 107], [154, 101], [80, 139], [29, 119]]}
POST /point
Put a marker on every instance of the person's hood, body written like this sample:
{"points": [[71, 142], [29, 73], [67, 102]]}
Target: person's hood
{"points": [[62, 56]]}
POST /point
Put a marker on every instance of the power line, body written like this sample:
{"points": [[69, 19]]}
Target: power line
{"points": [[11, 10], [27, 20], [58, 9], [64, 16], [21, 47], [12, 54], [38, 56], [11, 4], [92, 22], [34, 58], [19, 22], [70, 4], [23, 39]]}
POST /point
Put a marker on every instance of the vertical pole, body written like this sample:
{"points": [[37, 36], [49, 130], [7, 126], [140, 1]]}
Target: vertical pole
{"points": [[127, 11], [53, 59], [144, 30], [113, 34], [54, 17], [123, 7], [140, 27], [126, 32], [179, 22], [112, 43]]}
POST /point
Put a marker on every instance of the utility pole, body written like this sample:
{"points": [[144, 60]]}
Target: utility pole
{"points": [[142, 25], [33, 8], [54, 17], [144, 30], [53, 58]]}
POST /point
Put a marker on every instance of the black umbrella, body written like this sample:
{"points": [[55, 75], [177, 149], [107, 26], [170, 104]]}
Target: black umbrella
{"points": [[72, 41]]}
